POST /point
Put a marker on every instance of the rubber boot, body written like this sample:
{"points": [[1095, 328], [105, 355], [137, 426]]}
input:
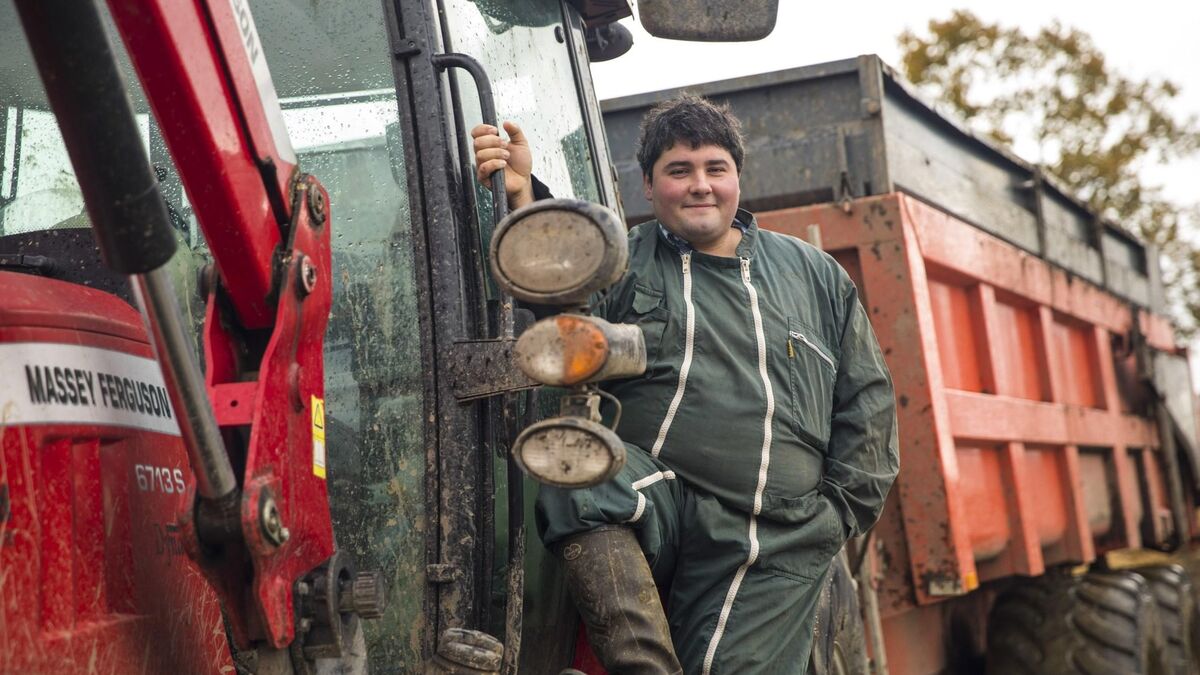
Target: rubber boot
{"points": [[610, 582]]}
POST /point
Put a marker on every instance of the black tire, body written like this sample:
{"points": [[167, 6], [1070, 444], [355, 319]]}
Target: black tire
{"points": [[1176, 607], [1104, 623], [839, 640]]}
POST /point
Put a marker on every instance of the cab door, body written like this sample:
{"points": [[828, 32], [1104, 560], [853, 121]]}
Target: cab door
{"points": [[534, 56]]}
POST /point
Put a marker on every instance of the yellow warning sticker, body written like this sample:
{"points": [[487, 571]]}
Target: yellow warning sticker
{"points": [[318, 436]]}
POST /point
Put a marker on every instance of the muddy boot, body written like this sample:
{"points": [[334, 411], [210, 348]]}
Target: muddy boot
{"points": [[610, 582]]}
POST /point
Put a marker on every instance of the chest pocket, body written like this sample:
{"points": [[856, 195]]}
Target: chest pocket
{"points": [[812, 371], [649, 313]]}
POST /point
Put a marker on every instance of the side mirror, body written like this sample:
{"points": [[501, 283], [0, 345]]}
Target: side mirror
{"points": [[709, 20], [608, 41], [559, 252]]}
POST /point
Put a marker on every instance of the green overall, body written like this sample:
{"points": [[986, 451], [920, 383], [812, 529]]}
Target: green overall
{"points": [[760, 438]]}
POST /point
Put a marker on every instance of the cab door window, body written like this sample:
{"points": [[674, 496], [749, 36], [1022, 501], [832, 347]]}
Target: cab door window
{"points": [[523, 47]]}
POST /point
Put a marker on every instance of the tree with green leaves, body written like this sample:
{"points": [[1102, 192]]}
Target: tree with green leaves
{"points": [[1055, 99]]}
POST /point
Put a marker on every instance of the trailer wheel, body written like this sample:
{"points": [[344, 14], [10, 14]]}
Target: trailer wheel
{"points": [[1103, 623], [839, 640], [1172, 590]]}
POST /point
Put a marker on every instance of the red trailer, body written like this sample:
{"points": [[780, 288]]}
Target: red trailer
{"points": [[1046, 420], [1021, 450]]}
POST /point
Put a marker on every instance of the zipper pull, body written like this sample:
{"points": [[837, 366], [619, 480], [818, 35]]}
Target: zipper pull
{"points": [[791, 351], [745, 268], [687, 262]]}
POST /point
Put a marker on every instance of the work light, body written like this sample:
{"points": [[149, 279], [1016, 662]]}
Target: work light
{"points": [[569, 452], [559, 252], [571, 349]]}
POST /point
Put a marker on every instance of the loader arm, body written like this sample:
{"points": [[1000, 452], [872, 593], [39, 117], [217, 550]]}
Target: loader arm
{"points": [[205, 75], [260, 528]]}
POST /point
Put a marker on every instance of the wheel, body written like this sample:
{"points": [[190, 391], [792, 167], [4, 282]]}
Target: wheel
{"points": [[1103, 623], [839, 640], [1176, 606]]}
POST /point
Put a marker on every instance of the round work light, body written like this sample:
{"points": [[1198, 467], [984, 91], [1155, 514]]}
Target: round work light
{"points": [[569, 452], [558, 251]]}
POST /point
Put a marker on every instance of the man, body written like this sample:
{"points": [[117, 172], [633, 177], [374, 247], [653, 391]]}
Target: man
{"points": [[761, 437]]}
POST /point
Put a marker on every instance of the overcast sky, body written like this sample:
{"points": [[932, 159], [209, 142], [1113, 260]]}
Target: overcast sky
{"points": [[1146, 38]]}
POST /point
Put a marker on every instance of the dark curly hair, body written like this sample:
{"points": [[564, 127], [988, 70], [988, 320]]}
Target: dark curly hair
{"points": [[692, 119]]}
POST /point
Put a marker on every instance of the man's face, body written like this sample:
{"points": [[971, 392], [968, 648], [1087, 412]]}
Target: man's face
{"points": [[694, 192]]}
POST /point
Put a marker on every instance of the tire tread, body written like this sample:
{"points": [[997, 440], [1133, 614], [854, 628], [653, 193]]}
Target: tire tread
{"points": [[1171, 589], [1100, 624]]}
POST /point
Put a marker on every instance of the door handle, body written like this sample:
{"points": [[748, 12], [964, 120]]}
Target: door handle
{"points": [[487, 106]]}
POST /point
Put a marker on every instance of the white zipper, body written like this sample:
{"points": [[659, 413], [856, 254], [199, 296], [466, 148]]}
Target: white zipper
{"points": [[760, 336], [652, 479], [646, 482], [799, 336], [689, 340], [764, 463]]}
